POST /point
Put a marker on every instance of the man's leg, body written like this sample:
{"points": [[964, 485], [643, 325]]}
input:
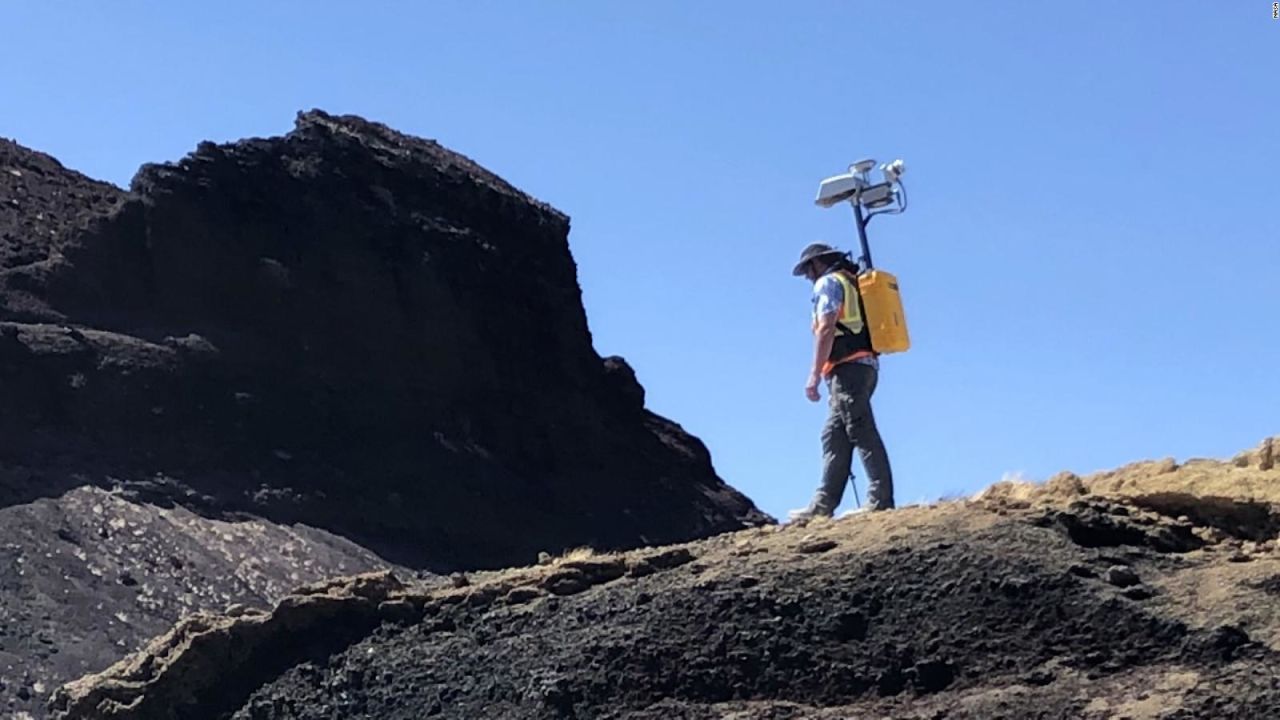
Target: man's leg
{"points": [[837, 458], [859, 384]]}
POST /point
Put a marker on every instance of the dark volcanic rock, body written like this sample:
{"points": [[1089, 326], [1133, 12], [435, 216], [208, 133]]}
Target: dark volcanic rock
{"points": [[344, 332], [43, 207], [346, 327], [1122, 576]]}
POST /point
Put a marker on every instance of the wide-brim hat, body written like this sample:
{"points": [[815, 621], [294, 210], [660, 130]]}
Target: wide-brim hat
{"points": [[813, 252]]}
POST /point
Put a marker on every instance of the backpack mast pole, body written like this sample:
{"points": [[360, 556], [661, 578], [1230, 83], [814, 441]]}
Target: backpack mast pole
{"points": [[861, 221]]}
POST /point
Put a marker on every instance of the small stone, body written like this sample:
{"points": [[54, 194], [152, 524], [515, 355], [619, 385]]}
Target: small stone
{"points": [[399, 610], [641, 568], [1122, 576], [1065, 485], [812, 547], [1226, 639], [1095, 657], [668, 559], [521, 595], [482, 597], [1083, 571], [544, 558], [1215, 535], [1014, 586], [1039, 677], [1138, 592], [444, 624], [1267, 454], [568, 582], [459, 580]]}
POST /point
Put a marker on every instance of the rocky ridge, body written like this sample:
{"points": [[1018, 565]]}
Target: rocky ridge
{"points": [[1077, 604]]}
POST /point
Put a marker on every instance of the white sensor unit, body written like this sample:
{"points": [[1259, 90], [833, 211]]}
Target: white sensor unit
{"points": [[877, 196], [838, 189]]}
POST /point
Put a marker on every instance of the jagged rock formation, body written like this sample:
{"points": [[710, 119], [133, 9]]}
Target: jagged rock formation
{"points": [[1078, 605], [346, 327], [343, 345]]}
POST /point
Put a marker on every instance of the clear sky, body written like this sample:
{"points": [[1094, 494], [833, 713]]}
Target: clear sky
{"points": [[1089, 262]]}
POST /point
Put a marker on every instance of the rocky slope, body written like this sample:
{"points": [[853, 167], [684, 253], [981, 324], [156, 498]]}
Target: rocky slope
{"points": [[90, 575], [283, 359], [1097, 597]]}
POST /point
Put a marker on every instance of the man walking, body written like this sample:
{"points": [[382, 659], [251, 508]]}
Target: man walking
{"points": [[844, 357]]}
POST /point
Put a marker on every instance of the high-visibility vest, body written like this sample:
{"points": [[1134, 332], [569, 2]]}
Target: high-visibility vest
{"points": [[853, 339]]}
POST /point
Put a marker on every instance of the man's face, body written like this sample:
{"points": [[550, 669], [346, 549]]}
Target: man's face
{"points": [[814, 269]]}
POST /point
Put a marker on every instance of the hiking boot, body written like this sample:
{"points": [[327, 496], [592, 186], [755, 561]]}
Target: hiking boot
{"points": [[801, 516]]}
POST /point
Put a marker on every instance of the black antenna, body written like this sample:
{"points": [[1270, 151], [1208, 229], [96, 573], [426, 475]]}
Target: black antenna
{"points": [[861, 221]]}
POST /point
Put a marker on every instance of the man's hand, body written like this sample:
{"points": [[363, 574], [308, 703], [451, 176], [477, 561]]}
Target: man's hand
{"points": [[811, 388]]}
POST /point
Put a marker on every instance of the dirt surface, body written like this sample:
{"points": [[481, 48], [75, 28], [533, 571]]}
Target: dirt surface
{"points": [[1087, 606]]}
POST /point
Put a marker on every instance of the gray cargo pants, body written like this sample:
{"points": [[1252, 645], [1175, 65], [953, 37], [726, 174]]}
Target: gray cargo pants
{"points": [[851, 425]]}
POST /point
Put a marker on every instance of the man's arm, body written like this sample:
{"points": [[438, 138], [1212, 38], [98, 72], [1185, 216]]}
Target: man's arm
{"points": [[823, 338], [829, 297]]}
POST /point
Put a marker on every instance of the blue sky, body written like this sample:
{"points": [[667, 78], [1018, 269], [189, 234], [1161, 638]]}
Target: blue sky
{"points": [[1089, 262]]}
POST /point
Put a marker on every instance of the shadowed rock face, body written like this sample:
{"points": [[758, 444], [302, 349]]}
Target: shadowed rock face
{"points": [[343, 341], [346, 327]]}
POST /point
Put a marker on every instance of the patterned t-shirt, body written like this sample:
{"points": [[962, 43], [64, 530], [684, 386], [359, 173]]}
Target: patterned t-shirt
{"points": [[828, 296]]}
